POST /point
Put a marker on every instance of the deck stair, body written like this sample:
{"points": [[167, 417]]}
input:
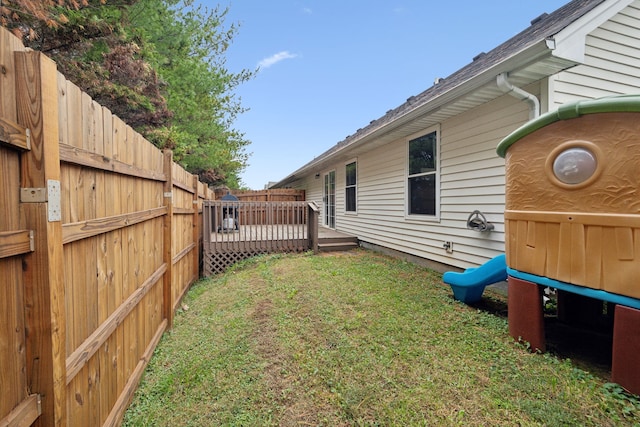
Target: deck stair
{"points": [[333, 241]]}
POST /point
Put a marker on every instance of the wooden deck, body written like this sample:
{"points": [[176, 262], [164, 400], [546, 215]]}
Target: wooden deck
{"points": [[238, 230]]}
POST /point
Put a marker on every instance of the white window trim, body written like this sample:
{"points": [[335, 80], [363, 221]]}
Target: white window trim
{"points": [[346, 212], [422, 217]]}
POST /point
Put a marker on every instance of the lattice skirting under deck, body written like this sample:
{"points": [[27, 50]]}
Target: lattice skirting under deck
{"points": [[218, 262], [215, 263]]}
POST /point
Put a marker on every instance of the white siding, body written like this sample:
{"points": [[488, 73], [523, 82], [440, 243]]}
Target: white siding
{"points": [[612, 61], [472, 177], [471, 173]]}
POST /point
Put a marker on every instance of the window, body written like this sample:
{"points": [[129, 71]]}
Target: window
{"points": [[350, 187], [422, 185]]}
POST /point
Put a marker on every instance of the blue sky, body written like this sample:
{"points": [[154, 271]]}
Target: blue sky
{"points": [[329, 67]]}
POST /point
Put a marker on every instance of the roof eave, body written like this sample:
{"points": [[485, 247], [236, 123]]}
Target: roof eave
{"points": [[533, 54]]}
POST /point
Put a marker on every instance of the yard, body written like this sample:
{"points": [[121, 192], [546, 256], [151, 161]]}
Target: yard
{"points": [[357, 338]]}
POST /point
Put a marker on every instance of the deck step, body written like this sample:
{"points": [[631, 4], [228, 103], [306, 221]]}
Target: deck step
{"points": [[335, 244]]}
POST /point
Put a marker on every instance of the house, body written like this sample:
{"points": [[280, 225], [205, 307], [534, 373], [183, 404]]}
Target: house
{"points": [[408, 182]]}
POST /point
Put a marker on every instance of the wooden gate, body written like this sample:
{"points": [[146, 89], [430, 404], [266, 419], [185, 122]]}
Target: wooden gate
{"points": [[17, 405]]}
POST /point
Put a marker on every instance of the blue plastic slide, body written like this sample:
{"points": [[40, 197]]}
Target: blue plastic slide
{"points": [[469, 285]]}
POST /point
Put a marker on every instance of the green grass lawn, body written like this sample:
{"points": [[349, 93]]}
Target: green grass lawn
{"points": [[356, 338]]}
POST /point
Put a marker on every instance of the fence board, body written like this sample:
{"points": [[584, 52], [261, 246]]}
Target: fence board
{"points": [[85, 229], [79, 156], [25, 413], [127, 258], [13, 380], [123, 400], [84, 352], [13, 372], [15, 242], [14, 135], [8, 45]]}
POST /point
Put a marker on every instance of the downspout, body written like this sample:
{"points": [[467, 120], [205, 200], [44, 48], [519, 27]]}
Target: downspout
{"points": [[516, 92]]}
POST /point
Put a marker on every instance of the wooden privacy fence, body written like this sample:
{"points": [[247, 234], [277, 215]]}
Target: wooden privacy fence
{"points": [[269, 195], [235, 230], [99, 240]]}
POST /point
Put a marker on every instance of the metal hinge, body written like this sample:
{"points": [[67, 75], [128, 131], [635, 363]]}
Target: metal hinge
{"points": [[51, 195]]}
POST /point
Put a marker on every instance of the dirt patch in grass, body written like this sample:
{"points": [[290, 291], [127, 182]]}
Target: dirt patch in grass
{"points": [[277, 372]]}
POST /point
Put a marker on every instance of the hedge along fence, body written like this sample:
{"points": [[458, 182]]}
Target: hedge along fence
{"points": [[99, 240]]}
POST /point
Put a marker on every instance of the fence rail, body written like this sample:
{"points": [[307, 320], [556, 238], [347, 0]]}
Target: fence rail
{"points": [[100, 235], [269, 195], [237, 230]]}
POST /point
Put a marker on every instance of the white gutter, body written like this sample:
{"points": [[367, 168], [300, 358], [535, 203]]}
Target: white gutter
{"points": [[516, 92]]}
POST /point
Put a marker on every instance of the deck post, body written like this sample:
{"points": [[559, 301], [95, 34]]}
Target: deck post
{"points": [[312, 224]]}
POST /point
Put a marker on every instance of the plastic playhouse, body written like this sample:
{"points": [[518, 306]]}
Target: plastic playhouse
{"points": [[572, 222]]}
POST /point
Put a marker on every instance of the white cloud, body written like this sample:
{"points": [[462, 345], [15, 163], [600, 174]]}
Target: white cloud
{"points": [[307, 11], [274, 59]]}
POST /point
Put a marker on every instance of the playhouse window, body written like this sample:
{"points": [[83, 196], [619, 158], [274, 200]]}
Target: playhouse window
{"points": [[575, 165]]}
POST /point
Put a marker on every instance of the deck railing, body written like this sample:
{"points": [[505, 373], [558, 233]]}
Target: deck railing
{"points": [[237, 230]]}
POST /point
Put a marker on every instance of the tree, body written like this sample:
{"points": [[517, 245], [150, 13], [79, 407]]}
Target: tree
{"points": [[89, 42], [21, 15], [157, 64], [189, 44]]}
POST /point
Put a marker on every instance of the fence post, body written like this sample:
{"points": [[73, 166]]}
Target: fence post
{"points": [[167, 289], [37, 106], [206, 235], [196, 228]]}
